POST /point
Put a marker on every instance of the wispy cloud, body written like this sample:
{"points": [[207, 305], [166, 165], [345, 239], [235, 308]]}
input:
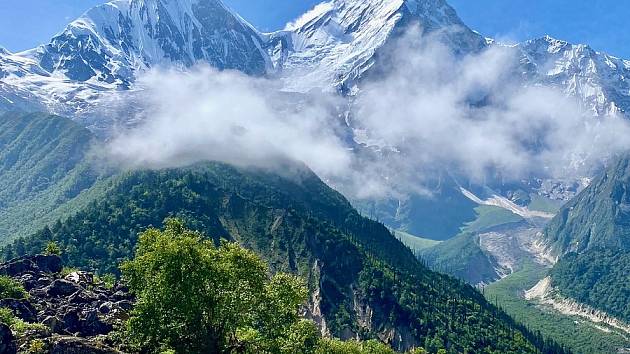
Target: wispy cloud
{"points": [[430, 111], [474, 116], [226, 116]]}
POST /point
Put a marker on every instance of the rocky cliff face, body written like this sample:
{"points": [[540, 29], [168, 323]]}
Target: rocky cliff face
{"points": [[72, 313]]}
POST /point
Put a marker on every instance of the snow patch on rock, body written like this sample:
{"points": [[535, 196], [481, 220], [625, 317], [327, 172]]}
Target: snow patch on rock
{"points": [[503, 202]]}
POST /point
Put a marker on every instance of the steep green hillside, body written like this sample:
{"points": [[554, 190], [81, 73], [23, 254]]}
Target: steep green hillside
{"points": [[599, 217], [363, 281], [415, 243], [592, 235], [597, 277], [463, 258], [489, 216], [540, 203], [37, 151], [44, 165]]}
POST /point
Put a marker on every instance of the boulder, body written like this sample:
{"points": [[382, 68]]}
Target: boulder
{"points": [[7, 340], [74, 345], [44, 281], [125, 305], [80, 277], [82, 297], [22, 308], [90, 324], [121, 295], [40, 263], [71, 321], [28, 281], [62, 287], [48, 263], [55, 324], [105, 307], [121, 287], [18, 267]]}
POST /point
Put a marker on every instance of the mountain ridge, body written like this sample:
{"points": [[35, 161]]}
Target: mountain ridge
{"points": [[103, 51], [597, 79], [364, 283], [329, 48], [336, 42]]}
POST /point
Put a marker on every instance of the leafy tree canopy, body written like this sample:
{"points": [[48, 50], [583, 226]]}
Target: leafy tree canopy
{"points": [[195, 297]]}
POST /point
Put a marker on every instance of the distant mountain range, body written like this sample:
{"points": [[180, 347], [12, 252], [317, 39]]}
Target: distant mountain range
{"points": [[331, 47]]}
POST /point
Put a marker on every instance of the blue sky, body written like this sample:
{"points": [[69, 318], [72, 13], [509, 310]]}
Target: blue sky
{"points": [[601, 23]]}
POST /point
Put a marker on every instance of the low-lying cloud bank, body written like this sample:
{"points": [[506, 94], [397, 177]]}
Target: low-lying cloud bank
{"points": [[474, 115], [226, 116], [431, 111]]}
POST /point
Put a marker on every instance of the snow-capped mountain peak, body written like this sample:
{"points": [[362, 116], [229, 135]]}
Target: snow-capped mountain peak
{"points": [[329, 48], [332, 45], [105, 49], [600, 81], [110, 42]]}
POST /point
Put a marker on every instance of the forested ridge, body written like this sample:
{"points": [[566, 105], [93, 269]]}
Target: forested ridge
{"points": [[599, 278], [297, 224], [48, 169], [591, 234]]}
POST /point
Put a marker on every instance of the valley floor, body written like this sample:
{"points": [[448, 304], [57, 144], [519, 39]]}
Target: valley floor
{"points": [[579, 334], [510, 237]]}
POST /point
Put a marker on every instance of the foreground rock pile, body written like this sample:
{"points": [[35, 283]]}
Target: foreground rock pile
{"points": [[75, 311]]}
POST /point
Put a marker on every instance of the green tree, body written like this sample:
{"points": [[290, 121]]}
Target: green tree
{"points": [[193, 297], [335, 346], [52, 248], [10, 288]]}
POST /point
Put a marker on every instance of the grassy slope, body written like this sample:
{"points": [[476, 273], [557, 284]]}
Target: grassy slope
{"points": [[45, 171], [461, 256], [540, 203], [489, 216], [33, 214], [580, 336], [415, 243]]}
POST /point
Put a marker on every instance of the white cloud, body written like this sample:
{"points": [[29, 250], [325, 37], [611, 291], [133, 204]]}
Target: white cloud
{"points": [[226, 116], [473, 116], [429, 113]]}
